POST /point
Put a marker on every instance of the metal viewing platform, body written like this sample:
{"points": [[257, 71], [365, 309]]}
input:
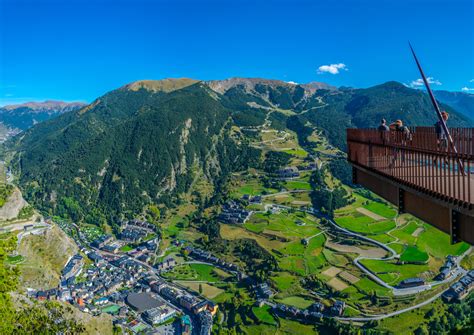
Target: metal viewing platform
{"points": [[418, 175]]}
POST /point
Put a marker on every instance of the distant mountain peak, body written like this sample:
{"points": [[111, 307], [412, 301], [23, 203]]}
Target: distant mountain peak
{"points": [[463, 102], [23, 116], [316, 85], [163, 85], [222, 86], [45, 105]]}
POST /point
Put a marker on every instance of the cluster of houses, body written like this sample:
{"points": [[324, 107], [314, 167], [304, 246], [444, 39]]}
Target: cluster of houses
{"points": [[461, 288], [255, 200], [233, 213], [98, 285], [73, 267], [448, 269], [204, 310], [52, 294], [102, 241], [206, 256], [135, 231], [106, 243], [110, 283], [133, 234], [314, 312], [288, 172], [142, 224], [309, 167], [127, 285], [166, 265], [262, 292], [145, 251]]}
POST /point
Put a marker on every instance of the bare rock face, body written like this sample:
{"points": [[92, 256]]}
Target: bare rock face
{"points": [[222, 86], [12, 206], [46, 254], [164, 85]]}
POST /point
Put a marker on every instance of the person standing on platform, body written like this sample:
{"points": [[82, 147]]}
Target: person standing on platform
{"points": [[383, 126], [401, 135], [441, 136]]}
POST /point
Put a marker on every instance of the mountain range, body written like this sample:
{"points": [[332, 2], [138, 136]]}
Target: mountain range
{"points": [[460, 101], [23, 116], [149, 142]]}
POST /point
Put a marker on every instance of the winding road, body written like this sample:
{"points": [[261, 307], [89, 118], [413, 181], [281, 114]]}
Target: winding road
{"points": [[396, 291]]}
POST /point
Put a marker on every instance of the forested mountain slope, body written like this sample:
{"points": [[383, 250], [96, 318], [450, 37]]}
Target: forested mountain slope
{"points": [[460, 101], [363, 108], [127, 149]]}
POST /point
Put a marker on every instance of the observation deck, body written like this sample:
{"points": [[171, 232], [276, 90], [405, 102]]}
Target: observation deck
{"points": [[415, 173]]}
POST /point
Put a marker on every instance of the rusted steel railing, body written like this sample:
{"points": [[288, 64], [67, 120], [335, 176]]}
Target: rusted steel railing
{"points": [[419, 160]]}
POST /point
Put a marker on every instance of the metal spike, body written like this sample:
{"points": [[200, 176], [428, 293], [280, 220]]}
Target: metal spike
{"points": [[436, 107]]}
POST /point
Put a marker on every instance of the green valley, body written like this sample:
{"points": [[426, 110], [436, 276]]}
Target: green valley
{"points": [[235, 193]]}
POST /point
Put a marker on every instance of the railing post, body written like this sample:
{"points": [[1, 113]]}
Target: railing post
{"points": [[369, 159], [454, 220], [419, 161], [401, 200]]}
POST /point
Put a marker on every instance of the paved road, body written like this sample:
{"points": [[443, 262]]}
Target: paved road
{"points": [[396, 291], [388, 315], [36, 230], [284, 192], [309, 238], [317, 107], [21, 225], [377, 316]]}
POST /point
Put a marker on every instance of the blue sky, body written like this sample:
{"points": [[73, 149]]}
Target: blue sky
{"points": [[78, 50]]}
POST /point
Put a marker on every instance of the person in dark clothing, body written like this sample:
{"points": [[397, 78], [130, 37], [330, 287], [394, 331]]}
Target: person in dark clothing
{"points": [[384, 131], [383, 126], [397, 127], [441, 136]]}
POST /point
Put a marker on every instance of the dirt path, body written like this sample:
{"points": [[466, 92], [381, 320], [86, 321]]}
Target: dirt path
{"points": [[371, 252], [370, 214], [418, 231]]}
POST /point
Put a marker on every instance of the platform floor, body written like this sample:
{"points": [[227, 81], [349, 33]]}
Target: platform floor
{"points": [[448, 178]]}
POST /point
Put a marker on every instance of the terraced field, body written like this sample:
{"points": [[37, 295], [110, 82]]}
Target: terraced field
{"points": [[308, 251], [413, 255], [282, 234], [197, 272], [422, 248]]}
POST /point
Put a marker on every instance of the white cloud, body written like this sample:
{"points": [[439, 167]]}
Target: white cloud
{"points": [[467, 89], [292, 82], [332, 68], [419, 82]]}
